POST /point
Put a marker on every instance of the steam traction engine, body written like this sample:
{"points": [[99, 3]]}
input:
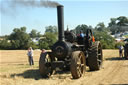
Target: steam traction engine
{"points": [[126, 50], [71, 52]]}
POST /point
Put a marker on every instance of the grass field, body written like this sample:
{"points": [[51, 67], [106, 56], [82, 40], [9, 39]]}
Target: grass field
{"points": [[15, 70]]}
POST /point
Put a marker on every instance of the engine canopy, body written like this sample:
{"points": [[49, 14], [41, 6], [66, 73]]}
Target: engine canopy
{"points": [[70, 36]]}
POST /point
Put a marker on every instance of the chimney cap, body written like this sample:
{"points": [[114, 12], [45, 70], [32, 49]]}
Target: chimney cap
{"points": [[60, 5]]}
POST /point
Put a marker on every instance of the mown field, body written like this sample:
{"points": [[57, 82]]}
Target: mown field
{"points": [[14, 70]]}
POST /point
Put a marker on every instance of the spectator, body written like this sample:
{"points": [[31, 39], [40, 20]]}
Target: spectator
{"points": [[30, 56], [121, 51]]}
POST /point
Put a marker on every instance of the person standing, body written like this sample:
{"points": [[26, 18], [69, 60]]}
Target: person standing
{"points": [[30, 56], [43, 51], [121, 51]]}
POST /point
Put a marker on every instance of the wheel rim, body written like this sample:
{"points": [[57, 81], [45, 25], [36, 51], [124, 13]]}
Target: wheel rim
{"points": [[80, 65]]}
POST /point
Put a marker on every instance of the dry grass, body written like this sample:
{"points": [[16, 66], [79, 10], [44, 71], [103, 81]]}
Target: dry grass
{"points": [[110, 53], [14, 65], [14, 69]]}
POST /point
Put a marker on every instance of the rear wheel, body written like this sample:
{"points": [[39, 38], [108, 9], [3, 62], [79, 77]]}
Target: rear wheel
{"points": [[44, 69], [78, 65], [126, 51], [95, 58]]}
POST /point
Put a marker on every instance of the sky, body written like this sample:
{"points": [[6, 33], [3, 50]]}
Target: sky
{"points": [[76, 12]]}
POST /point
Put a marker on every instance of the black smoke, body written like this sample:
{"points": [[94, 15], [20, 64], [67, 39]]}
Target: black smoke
{"points": [[13, 4]]}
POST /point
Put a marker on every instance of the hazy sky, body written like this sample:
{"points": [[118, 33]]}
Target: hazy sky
{"points": [[89, 12]]}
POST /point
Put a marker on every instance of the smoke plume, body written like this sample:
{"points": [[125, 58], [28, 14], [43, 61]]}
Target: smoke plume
{"points": [[13, 4], [35, 3]]}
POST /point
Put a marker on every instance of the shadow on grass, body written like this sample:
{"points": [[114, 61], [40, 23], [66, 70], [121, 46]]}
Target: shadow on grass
{"points": [[34, 74], [115, 58], [62, 74], [29, 74]]}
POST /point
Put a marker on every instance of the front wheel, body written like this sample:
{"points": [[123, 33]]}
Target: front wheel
{"points": [[45, 70], [78, 65]]}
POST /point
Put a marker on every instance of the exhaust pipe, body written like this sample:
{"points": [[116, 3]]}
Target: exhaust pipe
{"points": [[60, 14]]}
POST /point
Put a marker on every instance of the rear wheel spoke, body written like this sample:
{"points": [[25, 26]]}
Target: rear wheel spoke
{"points": [[99, 54]]}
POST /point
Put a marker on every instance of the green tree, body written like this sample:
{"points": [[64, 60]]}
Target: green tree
{"points": [[47, 41], [119, 24], [19, 38], [106, 40], [33, 45], [112, 22], [51, 29], [33, 33], [100, 27], [122, 21], [5, 44], [38, 34], [90, 27], [82, 28]]}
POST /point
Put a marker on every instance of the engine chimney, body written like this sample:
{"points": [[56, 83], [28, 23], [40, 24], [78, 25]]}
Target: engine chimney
{"points": [[60, 14]]}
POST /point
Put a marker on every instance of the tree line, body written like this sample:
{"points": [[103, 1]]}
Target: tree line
{"points": [[20, 39]]}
